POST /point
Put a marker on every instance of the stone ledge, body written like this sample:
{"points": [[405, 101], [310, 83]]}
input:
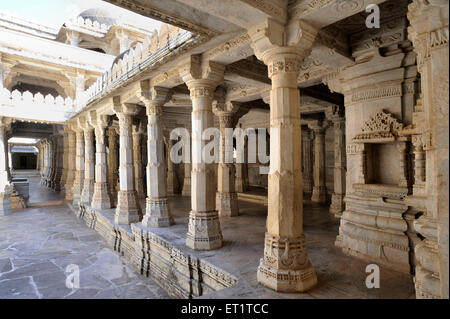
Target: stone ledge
{"points": [[159, 253]]}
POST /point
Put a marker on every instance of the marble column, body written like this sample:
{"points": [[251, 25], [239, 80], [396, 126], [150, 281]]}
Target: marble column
{"points": [[112, 164], [226, 197], [59, 148], [71, 163], [89, 164], [127, 210], [100, 198], [52, 162], [65, 161], [337, 199], [157, 212], [285, 266], [138, 132], [204, 231], [10, 163], [79, 164], [240, 181], [429, 34], [187, 180], [319, 194], [307, 162], [5, 186], [172, 182]]}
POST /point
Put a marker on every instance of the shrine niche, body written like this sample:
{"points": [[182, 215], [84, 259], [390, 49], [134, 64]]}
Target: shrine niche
{"points": [[373, 225]]}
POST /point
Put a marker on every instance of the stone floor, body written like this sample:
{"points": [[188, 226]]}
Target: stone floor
{"points": [[339, 276], [38, 243]]}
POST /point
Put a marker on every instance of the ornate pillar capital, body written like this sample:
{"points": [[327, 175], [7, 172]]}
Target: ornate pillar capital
{"points": [[153, 96], [269, 39], [202, 78]]}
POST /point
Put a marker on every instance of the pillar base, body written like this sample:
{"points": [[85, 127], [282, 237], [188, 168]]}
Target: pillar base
{"points": [[100, 199], [87, 192], [157, 213], [337, 205], [286, 280], [285, 266], [5, 204], [227, 204], [126, 211], [76, 193], [204, 231], [68, 193], [319, 194]]}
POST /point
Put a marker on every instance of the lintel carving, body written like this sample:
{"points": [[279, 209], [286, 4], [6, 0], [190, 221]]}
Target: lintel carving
{"points": [[380, 128]]}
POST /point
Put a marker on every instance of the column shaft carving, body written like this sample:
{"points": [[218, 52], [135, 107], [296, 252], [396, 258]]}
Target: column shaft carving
{"points": [[226, 197], [89, 165], [319, 194], [204, 232], [79, 166], [285, 266], [71, 164], [100, 198], [429, 34], [112, 165], [337, 199], [157, 213], [307, 163], [127, 210]]}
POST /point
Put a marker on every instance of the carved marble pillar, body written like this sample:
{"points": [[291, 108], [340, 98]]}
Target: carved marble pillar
{"points": [[204, 231], [319, 194], [127, 210], [430, 36], [172, 182], [5, 186], [157, 213], [79, 164], [138, 131], [226, 197], [100, 198], [65, 160], [52, 166], [89, 164], [58, 162], [112, 164], [337, 199], [9, 164], [71, 163], [239, 182], [285, 266], [187, 180], [307, 162]]}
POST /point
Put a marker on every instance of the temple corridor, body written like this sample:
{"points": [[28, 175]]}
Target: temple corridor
{"points": [[40, 241]]}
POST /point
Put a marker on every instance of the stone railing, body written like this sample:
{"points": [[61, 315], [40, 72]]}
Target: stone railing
{"points": [[45, 50], [39, 108], [13, 22], [88, 24], [140, 57]]}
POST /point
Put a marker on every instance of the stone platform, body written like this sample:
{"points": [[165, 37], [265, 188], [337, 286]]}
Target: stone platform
{"points": [[230, 272]]}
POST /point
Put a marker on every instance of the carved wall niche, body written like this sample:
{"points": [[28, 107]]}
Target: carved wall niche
{"points": [[384, 165]]}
